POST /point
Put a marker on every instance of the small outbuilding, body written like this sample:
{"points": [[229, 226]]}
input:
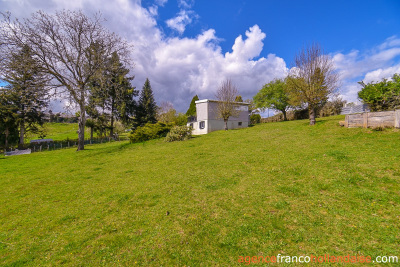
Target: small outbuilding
{"points": [[207, 119]]}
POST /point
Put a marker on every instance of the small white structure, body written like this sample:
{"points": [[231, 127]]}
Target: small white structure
{"points": [[207, 119]]}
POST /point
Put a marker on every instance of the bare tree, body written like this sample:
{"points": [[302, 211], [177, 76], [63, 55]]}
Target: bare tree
{"points": [[226, 107], [313, 79], [70, 46]]}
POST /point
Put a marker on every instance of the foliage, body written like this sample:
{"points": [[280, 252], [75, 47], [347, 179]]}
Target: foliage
{"points": [[147, 109], [273, 95], [226, 101], [27, 82], [168, 115], [70, 46], [223, 192], [383, 95], [111, 90], [332, 108], [312, 81], [179, 133], [149, 131], [255, 118], [238, 98], [8, 119], [192, 108]]}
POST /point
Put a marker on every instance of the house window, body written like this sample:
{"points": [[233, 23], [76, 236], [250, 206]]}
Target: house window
{"points": [[240, 123], [202, 124], [191, 125]]}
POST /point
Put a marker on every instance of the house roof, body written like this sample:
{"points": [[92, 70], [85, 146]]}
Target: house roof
{"points": [[210, 100]]}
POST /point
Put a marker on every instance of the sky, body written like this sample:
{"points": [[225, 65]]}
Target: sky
{"points": [[188, 47]]}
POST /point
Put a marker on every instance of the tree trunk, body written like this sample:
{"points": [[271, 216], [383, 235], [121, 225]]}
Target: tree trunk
{"points": [[226, 125], [81, 131], [112, 119], [21, 133], [112, 126], [284, 115], [91, 133], [311, 111], [7, 132]]}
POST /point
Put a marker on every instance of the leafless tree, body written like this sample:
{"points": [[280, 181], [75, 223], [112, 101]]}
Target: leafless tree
{"points": [[227, 107], [69, 45], [313, 79]]}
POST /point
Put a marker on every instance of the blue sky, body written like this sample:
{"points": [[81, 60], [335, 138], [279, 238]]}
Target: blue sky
{"points": [[336, 25], [188, 47]]}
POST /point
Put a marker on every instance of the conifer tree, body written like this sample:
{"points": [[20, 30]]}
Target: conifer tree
{"points": [[192, 108], [112, 91], [147, 108], [27, 83]]}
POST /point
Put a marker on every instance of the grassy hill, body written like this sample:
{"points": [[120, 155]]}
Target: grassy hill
{"points": [[61, 131], [278, 188]]}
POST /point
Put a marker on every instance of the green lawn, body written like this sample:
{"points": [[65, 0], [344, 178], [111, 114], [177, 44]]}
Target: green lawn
{"points": [[61, 131], [278, 188]]}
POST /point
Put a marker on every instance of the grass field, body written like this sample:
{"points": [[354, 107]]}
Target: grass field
{"points": [[278, 188], [61, 131]]}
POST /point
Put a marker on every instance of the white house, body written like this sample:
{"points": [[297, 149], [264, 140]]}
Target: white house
{"points": [[208, 121]]}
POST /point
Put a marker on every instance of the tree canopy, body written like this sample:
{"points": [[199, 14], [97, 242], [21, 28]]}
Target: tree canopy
{"points": [[147, 108], [226, 95], [273, 95], [313, 79], [64, 43], [192, 108], [26, 82], [383, 95]]}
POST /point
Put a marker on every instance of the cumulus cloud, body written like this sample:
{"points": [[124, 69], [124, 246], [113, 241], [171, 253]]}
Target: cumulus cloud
{"points": [[182, 19], [180, 67], [177, 67], [368, 66]]}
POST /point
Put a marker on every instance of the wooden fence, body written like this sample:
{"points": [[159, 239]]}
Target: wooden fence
{"points": [[374, 119]]}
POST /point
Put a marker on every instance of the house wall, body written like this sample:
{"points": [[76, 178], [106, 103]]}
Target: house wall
{"points": [[207, 111]]}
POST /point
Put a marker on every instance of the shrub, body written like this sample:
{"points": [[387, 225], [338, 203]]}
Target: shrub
{"points": [[179, 133], [255, 118], [149, 131]]}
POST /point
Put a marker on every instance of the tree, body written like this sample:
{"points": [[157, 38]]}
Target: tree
{"points": [[383, 95], [27, 82], [8, 118], [168, 115], [112, 89], [238, 98], [64, 45], [226, 107], [192, 108], [147, 108], [273, 95], [313, 79]]}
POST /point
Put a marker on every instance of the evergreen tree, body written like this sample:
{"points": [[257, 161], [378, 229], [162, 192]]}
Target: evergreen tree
{"points": [[192, 108], [146, 111], [26, 82], [113, 92], [238, 98], [8, 118]]}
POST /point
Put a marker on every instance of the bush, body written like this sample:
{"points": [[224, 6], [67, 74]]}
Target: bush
{"points": [[179, 133], [255, 118], [149, 131]]}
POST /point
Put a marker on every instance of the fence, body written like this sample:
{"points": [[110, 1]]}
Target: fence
{"points": [[374, 119], [56, 145], [355, 109]]}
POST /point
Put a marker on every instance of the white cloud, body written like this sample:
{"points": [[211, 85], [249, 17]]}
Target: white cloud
{"points": [[372, 65], [178, 68], [183, 18], [186, 4]]}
